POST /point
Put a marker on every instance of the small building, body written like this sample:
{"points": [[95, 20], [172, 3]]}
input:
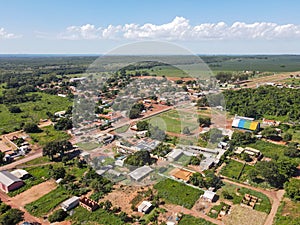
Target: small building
{"points": [[208, 162], [88, 204], [209, 196], [70, 203], [21, 174], [9, 182], [145, 207], [174, 155], [140, 173]]}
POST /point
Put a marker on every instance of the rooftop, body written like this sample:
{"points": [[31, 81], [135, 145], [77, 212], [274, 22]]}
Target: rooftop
{"points": [[140, 172]]}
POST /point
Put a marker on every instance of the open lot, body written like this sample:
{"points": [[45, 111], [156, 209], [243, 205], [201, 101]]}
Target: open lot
{"points": [[288, 213], [190, 220], [235, 170], [177, 193]]}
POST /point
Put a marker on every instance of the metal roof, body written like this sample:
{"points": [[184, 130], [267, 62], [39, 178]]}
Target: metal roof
{"points": [[141, 172], [7, 178]]}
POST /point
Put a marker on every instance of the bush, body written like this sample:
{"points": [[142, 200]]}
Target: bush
{"points": [[14, 109], [31, 128], [57, 216]]}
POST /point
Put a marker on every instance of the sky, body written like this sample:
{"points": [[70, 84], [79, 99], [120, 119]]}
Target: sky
{"points": [[201, 26]]}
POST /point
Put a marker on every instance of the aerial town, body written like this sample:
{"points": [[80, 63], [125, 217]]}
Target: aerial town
{"points": [[140, 138]]}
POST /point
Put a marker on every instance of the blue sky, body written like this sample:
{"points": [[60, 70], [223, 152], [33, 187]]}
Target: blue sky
{"points": [[204, 27]]}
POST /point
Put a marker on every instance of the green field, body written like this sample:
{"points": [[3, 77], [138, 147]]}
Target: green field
{"points": [[87, 146], [31, 111], [288, 213], [271, 150], [235, 170], [49, 134], [177, 193], [190, 220], [263, 206], [48, 202], [173, 122], [100, 216]]}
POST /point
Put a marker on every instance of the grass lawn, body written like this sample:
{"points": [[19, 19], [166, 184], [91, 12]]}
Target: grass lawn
{"points": [[48, 202], [40, 160], [100, 216], [122, 129], [190, 220], [49, 134], [87, 146], [263, 206], [177, 193], [31, 111], [172, 122], [232, 169]]}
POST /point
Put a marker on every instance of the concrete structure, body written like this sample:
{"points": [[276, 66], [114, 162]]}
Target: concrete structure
{"points": [[70, 203], [209, 196], [174, 155], [9, 182], [140, 173], [145, 207], [88, 204], [21, 174]]}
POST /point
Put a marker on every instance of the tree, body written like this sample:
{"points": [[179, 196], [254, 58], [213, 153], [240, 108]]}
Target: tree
{"points": [[202, 102], [134, 113], [107, 205], [239, 138], [287, 137], [269, 132], [142, 125], [204, 121], [212, 180], [292, 152], [14, 109], [226, 194], [11, 217], [123, 216], [139, 158], [63, 124], [2, 154], [292, 188], [186, 131], [197, 180], [156, 133], [57, 173], [31, 128], [57, 216], [195, 160]]}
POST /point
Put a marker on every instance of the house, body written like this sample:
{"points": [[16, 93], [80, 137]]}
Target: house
{"points": [[140, 173], [9, 182], [209, 196], [267, 122], [70, 203], [60, 113], [174, 155], [21, 174], [88, 204], [208, 162], [145, 207], [245, 123]]}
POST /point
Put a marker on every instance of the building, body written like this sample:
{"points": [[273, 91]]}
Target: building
{"points": [[267, 122], [70, 203], [21, 174], [245, 123], [209, 196], [208, 162], [88, 204], [145, 207], [174, 155], [140, 173], [9, 182]]}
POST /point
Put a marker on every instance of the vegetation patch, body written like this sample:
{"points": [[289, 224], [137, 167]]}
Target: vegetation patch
{"points": [[178, 193], [190, 220], [48, 202]]}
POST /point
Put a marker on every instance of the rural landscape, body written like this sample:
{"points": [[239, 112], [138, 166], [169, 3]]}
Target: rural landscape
{"points": [[153, 113]]}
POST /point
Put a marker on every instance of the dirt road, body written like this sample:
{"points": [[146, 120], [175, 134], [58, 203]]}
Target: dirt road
{"points": [[274, 196]]}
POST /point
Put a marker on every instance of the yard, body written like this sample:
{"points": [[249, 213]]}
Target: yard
{"points": [[49, 134], [177, 193], [48, 202], [263, 205], [100, 216], [235, 170]]}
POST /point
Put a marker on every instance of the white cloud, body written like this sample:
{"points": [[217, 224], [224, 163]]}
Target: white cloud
{"points": [[5, 35], [181, 29]]}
